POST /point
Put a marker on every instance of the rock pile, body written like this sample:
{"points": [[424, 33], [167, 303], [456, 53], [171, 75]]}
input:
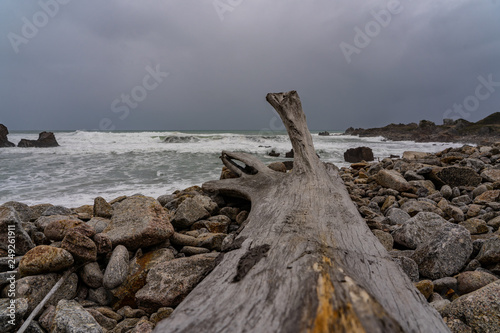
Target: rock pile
{"points": [[134, 258], [438, 215]]}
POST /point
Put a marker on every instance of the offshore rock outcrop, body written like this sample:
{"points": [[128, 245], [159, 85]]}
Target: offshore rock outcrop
{"points": [[45, 140], [3, 137], [484, 131]]}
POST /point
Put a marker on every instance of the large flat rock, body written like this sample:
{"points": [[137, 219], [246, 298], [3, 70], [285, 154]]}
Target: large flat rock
{"points": [[138, 221]]}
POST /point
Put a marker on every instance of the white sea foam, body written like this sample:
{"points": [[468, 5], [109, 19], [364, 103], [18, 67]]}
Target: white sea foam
{"points": [[91, 164]]}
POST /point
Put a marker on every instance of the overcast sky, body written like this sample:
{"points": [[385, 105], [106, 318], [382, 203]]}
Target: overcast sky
{"points": [[205, 64]]}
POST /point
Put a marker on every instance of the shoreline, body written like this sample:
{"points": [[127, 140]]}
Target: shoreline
{"points": [[419, 206]]}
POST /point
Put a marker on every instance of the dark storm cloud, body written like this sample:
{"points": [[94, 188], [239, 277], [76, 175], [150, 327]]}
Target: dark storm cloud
{"points": [[92, 65]]}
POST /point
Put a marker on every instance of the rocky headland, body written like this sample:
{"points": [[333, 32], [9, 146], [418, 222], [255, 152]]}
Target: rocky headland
{"points": [[485, 131], [130, 261]]}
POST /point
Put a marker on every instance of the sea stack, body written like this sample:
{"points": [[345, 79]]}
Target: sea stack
{"points": [[45, 139], [3, 137]]}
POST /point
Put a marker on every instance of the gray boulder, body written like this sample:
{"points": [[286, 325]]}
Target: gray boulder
{"points": [[397, 216], [168, 283], [71, 317], [117, 268], [9, 217], [138, 221], [444, 252], [418, 229], [193, 209], [480, 309], [22, 209]]}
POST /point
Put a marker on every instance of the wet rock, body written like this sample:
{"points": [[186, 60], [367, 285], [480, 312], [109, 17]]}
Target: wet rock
{"points": [[81, 247], [117, 268], [168, 283], [472, 281], [37, 211], [45, 140], [9, 217], [392, 179], [479, 310], [102, 208], [91, 275], [445, 252], [355, 155], [71, 317], [45, 259], [138, 221]]}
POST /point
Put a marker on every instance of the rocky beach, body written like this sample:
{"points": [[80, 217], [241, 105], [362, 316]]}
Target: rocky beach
{"points": [[130, 261]]}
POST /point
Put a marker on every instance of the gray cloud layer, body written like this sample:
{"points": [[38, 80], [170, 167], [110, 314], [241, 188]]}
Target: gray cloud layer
{"points": [[76, 71]]}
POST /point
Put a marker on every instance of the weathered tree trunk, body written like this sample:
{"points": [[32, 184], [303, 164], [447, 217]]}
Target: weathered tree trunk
{"points": [[307, 262]]}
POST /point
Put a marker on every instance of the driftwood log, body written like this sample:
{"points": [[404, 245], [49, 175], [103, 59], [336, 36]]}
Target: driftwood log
{"points": [[306, 260]]}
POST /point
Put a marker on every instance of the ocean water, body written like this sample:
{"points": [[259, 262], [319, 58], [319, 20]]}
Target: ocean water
{"points": [[110, 164]]}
